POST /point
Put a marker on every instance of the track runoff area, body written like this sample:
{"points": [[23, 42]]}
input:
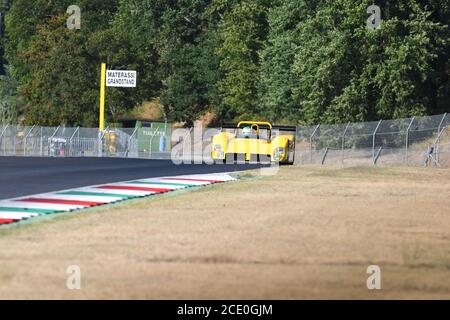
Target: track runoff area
{"points": [[32, 187]]}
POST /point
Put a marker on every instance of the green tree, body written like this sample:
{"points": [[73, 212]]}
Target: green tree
{"points": [[350, 73], [4, 7], [137, 27], [327, 58], [8, 85], [402, 70], [277, 77], [323, 64], [243, 29], [60, 87], [57, 71], [8, 98], [192, 67], [169, 43], [297, 61]]}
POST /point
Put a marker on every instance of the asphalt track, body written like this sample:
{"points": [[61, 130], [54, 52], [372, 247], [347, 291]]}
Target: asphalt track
{"points": [[21, 176]]}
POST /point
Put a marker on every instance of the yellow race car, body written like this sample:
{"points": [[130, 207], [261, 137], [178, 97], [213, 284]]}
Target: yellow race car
{"points": [[254, 141]]}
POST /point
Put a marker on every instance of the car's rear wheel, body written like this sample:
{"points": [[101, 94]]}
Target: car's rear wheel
{"points": [[229, 158], [239, 158], [254, 158], [264, 159]]}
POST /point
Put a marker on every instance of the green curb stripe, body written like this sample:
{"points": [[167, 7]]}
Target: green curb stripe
{"points": [[98, 194], [31, 210], [163, 183]]}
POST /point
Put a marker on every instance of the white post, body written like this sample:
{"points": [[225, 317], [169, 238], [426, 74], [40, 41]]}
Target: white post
{"points": [[55, 132], [70, 141], [52, 136], [310, 142], [407, 139], [25, 139], [343, 141], [100, 141], [1, 138], [437, 146], [151, 143], [14, 139], [129, 142], [41, 146], [373, 140]]}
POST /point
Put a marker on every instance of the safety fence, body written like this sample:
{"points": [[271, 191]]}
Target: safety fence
{"points": [[411, 141], [83, 142]]}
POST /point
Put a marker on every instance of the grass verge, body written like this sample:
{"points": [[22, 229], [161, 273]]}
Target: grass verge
{"points": [[307, 232]]}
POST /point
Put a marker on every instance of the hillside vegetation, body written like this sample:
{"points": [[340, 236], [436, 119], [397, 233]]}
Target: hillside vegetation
{"points": [[293, 61]]}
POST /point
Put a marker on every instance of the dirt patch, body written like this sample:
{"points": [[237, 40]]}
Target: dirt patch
{"points": [[303, 233]]}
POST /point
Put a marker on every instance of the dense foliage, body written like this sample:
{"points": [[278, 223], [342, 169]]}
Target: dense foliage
{"points": [[297, 61]]}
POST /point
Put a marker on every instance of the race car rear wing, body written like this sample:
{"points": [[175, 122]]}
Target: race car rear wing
{"points": [[274, 127], [235, 125], [284, 128], [229, 126]]}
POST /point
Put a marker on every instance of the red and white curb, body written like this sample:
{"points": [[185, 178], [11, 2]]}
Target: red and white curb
{"points": [[23, 208]]}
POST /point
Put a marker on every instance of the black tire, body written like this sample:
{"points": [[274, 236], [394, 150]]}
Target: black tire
{"points": [[239, 158], [229, 158], [264, 159], [254, 158]]}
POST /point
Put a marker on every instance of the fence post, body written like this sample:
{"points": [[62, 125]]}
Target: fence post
{"points": [[71, 141], [437, 146], [51, 138], [1, 139], [14, 140], [407, 139], [80, 145], [151, 143], [373, 141], [129, 143], [25, 140], [55, 132], [41, 143], [310, 142], [343, 141], [324, 156], [100, 141]]}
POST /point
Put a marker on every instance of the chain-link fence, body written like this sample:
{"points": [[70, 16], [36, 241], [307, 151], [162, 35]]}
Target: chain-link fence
{"points": [[84, 142], [412, 141]]}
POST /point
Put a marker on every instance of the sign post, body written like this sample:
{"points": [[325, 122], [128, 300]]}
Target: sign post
{"points": [[102, 97], [113, 78]]}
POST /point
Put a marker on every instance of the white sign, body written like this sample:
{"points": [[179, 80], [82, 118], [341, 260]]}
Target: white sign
{"points": [[121, 78]]}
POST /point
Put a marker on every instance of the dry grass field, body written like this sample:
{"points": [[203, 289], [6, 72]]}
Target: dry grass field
{"points": [[307, 232]]}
